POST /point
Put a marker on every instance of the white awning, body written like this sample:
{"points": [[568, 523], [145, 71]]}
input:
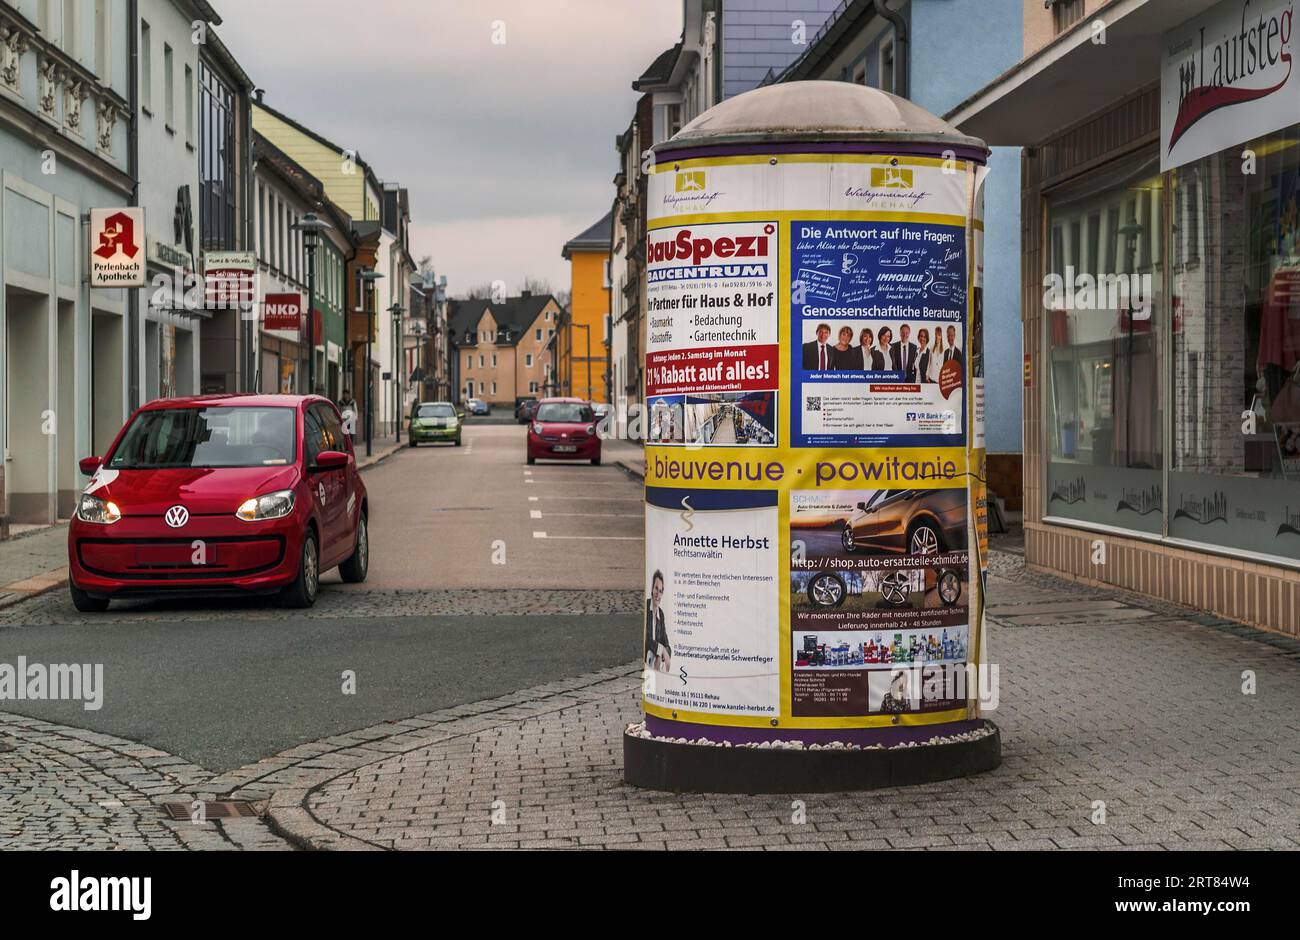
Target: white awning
{"points": [[1073, 76]]}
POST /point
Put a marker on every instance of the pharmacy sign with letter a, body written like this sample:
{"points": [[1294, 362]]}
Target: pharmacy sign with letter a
{"points": [[117, 247]]}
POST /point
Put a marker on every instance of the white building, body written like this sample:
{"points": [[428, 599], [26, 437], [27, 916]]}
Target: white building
{"points": [[64, 149], [171, 308]]}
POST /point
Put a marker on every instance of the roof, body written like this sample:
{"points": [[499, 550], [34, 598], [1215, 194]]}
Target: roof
{"points": [[820, 110], [218, 50], [322, 140], [661, 69], [232, 401], [307, 185], [595, 238], [1073, 77], [828, 42], [516, 314]]}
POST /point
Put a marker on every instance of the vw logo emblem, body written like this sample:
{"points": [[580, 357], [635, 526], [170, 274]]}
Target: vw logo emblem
{"points": [[177, 516]]}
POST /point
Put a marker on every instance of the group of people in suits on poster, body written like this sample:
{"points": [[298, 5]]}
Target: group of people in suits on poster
{"points": [[919, 361]]}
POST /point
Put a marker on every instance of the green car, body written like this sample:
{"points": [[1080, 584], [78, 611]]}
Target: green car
{"points": [[434, 421]]}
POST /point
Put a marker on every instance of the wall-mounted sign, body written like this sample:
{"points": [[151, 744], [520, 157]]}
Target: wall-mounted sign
{"points": [[117, 247], [1226, 77], [282, 312], [229, 279]]}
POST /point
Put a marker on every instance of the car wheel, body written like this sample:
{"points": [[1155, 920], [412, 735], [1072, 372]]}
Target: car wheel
{"points": [[531, 460], [924, 540], [895, 588], [411, 444], [846, 539], [826, 590], [353, 571], [84, 602], [949, 587], [302, 592], [595, 461]]}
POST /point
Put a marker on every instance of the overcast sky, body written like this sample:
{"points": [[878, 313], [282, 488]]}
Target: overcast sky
{"points": [[508, 150]]}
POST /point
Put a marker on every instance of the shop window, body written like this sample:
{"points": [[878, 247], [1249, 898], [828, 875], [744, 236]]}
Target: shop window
{"points": [[1103, 392], [1234, 479]]}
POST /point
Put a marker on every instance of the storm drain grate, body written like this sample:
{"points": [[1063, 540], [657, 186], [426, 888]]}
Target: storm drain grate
{"points": [[216, 809]]}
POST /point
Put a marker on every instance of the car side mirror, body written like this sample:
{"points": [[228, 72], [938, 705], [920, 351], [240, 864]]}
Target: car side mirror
{"points": [[862, 506], [331, 460], [89, 465], [460, 416]]}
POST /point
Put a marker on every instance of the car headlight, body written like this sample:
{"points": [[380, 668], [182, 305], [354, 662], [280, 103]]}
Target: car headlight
{"points": [[96, 510], [270, 506], [537, 427]]}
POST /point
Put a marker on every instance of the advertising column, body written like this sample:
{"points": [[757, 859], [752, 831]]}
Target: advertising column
{"points": [[814, 517]]}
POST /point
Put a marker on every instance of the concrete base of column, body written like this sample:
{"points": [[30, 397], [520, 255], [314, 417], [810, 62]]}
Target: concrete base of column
{"points": [[656, 764]]}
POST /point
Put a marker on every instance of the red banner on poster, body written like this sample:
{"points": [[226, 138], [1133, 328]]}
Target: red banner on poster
{"points": [[722, 369]]}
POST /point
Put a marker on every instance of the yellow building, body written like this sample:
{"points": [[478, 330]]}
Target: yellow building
{"points": [[583, 345]]}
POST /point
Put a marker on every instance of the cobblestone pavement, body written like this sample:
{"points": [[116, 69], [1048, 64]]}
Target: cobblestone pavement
{"points": [[64, 788], [1104, 697], [1102, 702], [334, 602]]}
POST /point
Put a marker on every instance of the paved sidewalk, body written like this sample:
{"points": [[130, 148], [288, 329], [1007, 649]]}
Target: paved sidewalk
{"points": [[37, 560], [627, 454], [1103, 702], [1108, 700]]}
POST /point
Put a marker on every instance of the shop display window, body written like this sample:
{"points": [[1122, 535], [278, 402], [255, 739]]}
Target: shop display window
{"points": [[1104, 388], [1234, 284]]}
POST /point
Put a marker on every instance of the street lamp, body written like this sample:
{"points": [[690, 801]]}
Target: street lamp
{"points": [[311, 227], [366, 278], [399, 351]]}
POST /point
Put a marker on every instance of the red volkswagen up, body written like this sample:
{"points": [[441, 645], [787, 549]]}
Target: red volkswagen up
{"points": [[563, 429], [220, 495]]}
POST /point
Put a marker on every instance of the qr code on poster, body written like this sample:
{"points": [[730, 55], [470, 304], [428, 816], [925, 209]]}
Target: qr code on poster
{"points": [[814, 404]]}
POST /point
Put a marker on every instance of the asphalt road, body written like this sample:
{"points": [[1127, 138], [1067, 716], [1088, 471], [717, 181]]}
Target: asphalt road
{"points": [[438, 622]]}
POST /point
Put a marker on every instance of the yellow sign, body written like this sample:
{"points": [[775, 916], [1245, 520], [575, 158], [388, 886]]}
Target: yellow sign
{"points": [[891, 177], [690, 181]]}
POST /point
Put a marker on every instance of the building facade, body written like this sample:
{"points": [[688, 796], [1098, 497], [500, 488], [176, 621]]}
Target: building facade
{"points": [[65, 148], [582, 343], [224, 207], [284, 193], [914, 49], [351, 184], [501, 350], [1159, 297]]}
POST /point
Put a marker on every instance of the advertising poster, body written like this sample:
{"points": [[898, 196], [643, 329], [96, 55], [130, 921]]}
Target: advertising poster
{"points": [[711, 574], [811, 535], [878, 315], [712, 307], [879, 581]]}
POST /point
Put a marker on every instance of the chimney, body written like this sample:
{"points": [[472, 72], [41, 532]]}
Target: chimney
{"points": [[526, 293]]}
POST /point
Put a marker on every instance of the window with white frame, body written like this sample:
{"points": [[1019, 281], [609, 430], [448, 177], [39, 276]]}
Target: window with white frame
{"points": [[528, 360], [887, 66]]}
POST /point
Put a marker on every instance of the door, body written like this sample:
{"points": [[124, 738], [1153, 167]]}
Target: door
{"points": [[326, 490]]}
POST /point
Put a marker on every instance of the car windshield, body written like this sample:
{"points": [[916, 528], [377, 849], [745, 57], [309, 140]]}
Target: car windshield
{"points": [[207, 437], [562, 413], [436, 411]]}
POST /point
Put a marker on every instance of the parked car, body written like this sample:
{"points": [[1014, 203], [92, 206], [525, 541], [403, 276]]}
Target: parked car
{"points": [[433, 422], [563, 429], [220, 495], [477, 406], [909, 522], [524, 409]]}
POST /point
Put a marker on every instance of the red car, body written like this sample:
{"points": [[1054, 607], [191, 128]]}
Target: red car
{"points": [[563, 429], [220, 495]]}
